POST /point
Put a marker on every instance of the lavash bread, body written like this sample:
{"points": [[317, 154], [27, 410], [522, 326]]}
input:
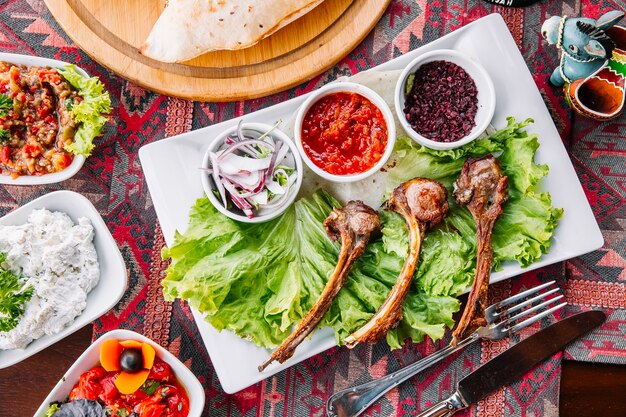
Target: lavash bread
{"points": [[189, 28]]}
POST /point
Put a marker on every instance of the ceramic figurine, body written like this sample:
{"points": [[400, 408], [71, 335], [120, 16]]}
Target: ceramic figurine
{"points": [[593, 62], [585, 46], [601, 95]]}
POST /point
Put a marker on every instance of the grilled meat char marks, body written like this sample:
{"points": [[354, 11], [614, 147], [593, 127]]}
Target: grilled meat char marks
{"points": [[354, 225], [482, 188], [423, 203]]}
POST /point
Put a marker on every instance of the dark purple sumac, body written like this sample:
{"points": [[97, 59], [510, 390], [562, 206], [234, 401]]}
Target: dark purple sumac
{"points": [[442, 102]]}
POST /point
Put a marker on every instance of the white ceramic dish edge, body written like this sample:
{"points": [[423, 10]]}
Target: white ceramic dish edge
{"points": [[77, 161], [91, 357], [113, 276]]}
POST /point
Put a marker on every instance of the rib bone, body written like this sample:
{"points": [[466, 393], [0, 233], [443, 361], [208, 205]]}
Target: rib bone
{"points": [[483, 189], [423, 203], [354, 225]]}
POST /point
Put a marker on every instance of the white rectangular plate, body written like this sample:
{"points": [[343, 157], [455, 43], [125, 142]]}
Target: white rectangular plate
{"points": [[171, 169], [111, 285]]}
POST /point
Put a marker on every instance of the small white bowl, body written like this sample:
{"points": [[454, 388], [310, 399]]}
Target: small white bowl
{"points": [[292, 159], [352, 88], [111, 285], [484, 85], [77, 160], [91, 357]]}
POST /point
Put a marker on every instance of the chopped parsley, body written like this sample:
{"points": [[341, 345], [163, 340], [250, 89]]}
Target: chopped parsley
{"points": [[150, 386], [6, 104], [4, 136], [13, 297], [122, 412]]}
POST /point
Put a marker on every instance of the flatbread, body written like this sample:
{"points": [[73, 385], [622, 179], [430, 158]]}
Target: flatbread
{"points": [[189, 28]]}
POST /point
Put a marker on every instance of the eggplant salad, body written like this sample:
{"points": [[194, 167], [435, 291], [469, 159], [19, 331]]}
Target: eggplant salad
{"points": [[47, 117]]}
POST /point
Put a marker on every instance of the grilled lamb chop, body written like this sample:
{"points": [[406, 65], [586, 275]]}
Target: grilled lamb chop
{"points": [[355, 224], [423, 203], [482, 188]]}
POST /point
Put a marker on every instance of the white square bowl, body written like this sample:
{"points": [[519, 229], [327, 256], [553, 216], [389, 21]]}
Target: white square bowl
{"points": [[77, 161], [91, 357], [113, 277]]}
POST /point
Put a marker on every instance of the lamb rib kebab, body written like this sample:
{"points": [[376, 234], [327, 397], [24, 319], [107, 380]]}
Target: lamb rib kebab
{"points": [[355, 225], [482, 188], [423, 203]]}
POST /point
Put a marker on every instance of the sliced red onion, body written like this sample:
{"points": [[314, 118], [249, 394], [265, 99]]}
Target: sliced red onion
{"points": [[243, 144], [234, 164], [270, 169], [249, 179], [259, 199], [238, 201], [275, 187], [216, 177]]}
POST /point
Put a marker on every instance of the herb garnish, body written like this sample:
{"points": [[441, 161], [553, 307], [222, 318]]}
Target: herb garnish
{"points": [[6, 104], [4, 136], [13, 296], [410, 80], [150, 386]]}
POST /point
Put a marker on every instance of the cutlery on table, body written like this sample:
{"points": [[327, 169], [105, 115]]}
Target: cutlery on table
{"points": [[503, 319], [514, 362]]}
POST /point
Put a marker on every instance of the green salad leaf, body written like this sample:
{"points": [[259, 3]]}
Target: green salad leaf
{"points": [[89, 113], [13, 296], [258, 280]]}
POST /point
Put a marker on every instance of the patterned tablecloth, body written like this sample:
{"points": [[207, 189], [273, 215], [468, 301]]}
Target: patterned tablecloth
{"points": [[113, 180]]}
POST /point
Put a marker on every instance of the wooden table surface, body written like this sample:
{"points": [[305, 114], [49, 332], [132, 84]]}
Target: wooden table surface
{"points": [[592, 390]]}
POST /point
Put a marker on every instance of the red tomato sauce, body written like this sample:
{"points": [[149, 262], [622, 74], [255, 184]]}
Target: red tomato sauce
{"points": [[160, 396], [344, 133]]}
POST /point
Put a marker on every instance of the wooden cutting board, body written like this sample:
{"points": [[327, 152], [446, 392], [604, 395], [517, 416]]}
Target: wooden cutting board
{"points": [[111, 31]]}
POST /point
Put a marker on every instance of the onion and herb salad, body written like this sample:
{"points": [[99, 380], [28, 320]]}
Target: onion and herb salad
{"points": [[251, 171]]}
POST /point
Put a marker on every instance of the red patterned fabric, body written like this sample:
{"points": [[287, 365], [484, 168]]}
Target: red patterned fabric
{"points": [[113, 180]]}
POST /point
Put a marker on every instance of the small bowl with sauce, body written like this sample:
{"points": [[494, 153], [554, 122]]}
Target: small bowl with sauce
{"points": [[345, 132], [444, 99]]}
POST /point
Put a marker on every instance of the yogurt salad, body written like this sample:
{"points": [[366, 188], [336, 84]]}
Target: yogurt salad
{"points": [[47, 268]]}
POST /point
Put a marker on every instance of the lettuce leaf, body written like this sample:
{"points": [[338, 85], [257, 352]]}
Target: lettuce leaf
{"points": [[89, 113], [258, 280]]}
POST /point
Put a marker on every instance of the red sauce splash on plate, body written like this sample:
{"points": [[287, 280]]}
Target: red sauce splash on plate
{"points": [[344, 133]]}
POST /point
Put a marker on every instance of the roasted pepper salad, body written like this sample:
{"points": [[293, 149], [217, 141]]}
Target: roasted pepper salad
{"points": [[47, 117]]}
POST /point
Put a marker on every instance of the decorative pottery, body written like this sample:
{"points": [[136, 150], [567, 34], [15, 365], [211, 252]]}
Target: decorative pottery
{"points": [[584, 44], [601, 95]]}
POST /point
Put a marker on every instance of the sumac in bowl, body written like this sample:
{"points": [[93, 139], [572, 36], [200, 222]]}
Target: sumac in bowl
{"points": [[441, 101], [444, 99]]}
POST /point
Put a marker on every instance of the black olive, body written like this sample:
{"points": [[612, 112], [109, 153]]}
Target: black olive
{"points": [[131, 360]]}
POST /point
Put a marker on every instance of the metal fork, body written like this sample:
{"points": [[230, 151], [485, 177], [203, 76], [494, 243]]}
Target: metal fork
{"points": [[501, 322]]}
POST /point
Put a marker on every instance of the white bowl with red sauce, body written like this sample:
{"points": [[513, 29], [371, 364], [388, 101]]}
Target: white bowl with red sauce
{"points": [[321, 151], [486, 96], [91, 359]]}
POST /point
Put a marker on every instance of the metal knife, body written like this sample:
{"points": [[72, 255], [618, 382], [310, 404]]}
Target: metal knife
{"points": [[513, 363]]}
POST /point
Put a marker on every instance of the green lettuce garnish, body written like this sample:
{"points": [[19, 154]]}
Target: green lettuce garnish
{"points": [[14, 295], [258, 280], [89, 113]]}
